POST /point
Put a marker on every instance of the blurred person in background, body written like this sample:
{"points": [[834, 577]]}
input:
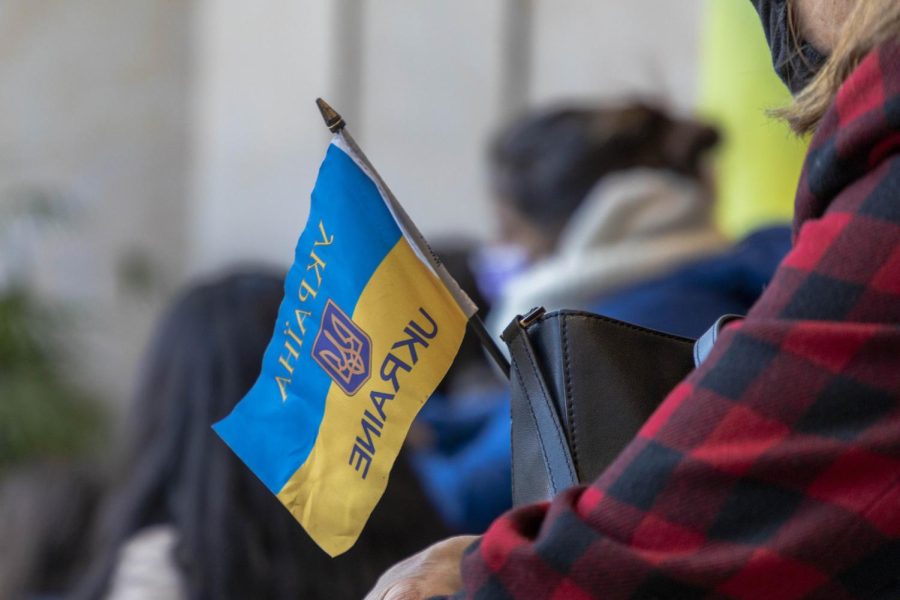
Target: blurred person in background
{"points": [[186, 519], [611, 210], [773, 469], [46, 508], [605, 209]]}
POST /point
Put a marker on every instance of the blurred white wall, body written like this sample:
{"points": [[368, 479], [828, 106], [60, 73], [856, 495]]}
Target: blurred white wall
{"points": [[605, 49], [422, 85], [257, 135], [94, 115], [430, 91]]}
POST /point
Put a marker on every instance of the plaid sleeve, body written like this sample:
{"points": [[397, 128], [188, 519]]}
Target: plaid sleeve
{"points": [[773, 471]]}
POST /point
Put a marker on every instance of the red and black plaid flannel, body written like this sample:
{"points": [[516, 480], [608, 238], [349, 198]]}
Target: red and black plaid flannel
{"points": [[773, 471]]}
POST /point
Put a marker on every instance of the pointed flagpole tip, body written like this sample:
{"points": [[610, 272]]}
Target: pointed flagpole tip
{"points": [[333, 120]]}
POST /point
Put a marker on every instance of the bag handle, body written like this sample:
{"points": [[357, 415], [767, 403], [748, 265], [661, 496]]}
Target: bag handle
{"points": [[552, 438], [704, 345]]}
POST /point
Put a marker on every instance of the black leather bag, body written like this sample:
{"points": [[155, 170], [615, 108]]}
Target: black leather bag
{"points": [[582, 385]]}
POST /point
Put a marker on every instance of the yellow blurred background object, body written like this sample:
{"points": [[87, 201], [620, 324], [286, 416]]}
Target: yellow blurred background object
{"points": [[759, 164]]}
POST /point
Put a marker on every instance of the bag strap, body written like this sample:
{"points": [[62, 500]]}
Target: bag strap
{"points": [[552, 438], [704, 344]]}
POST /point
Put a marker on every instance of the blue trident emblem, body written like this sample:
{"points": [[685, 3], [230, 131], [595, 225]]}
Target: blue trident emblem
{"points": [[343, 350]]}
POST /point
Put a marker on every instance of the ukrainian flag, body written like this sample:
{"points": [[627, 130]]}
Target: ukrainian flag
{"points": [[368, 327]]}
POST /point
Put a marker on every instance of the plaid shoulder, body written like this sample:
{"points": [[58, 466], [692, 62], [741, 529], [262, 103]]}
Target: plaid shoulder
{"points": [[773, 471], [861, 129], [845, 265]]}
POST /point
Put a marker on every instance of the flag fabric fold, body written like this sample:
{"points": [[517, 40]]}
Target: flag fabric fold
{"points": [[368, 327]]}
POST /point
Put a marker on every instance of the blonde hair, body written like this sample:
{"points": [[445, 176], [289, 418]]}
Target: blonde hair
{"points": [[871, 23]]}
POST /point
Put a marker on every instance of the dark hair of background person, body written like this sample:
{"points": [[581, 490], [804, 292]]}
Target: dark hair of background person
{"points": [[235, 540], [544, 164]]}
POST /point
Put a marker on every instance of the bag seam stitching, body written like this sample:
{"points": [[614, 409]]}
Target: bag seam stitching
{"points": [[570, 412]]}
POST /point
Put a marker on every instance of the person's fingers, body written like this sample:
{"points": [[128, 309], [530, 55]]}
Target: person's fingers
{"points": [[404, 590], [433, 571]]}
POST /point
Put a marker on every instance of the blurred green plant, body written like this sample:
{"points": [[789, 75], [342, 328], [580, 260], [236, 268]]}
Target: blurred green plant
{"points": [[42, 414]]}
